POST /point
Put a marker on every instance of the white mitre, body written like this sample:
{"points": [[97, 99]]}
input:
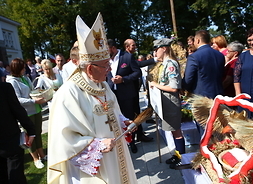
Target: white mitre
{"points": [[92, 42]]}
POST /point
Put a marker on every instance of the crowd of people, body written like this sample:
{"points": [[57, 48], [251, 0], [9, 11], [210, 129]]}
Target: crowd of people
{"points": [[97, 97]]}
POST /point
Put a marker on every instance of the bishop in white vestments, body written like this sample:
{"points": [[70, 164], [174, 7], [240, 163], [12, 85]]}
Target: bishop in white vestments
{"points": [[85, 119]]}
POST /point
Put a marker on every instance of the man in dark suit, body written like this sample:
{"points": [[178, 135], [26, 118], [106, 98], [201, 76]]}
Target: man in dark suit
{"points": [[121, 80], [11, 154], [204, 68], [130, 47]]}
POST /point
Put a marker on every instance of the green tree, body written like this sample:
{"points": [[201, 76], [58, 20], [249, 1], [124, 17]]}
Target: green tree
{"points": [[232, 17], [44, 25], [48, 26], [158, 15], [117, 20]]}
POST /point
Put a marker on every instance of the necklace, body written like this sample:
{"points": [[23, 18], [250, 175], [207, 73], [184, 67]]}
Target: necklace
{"points": [[104, 104]]}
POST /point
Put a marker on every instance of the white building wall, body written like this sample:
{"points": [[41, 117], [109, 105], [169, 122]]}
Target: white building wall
{"points": [[9, 34]]}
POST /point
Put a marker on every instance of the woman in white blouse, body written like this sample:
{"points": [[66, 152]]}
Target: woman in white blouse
{"points": [[49, 79]]}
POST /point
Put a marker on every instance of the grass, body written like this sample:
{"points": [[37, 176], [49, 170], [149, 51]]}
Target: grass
{"points": [[34, 175]]}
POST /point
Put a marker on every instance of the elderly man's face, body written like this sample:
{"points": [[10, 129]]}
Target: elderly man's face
{"points": [[99, 70]]}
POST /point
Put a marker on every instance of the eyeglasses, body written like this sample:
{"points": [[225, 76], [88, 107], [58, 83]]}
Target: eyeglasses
{"points": [[231, 51], [106, 67], [250, 40]]}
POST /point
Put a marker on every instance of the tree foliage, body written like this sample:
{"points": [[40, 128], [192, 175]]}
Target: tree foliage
{"points": [[232, 17], [48, 26]]}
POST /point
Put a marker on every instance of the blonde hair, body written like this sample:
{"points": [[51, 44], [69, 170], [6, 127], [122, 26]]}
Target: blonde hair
{"points": [[38, 59], [46, 62], [169, 51]]}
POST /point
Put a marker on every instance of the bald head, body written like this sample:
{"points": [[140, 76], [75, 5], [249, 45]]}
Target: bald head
{"points": [[130, 45]]}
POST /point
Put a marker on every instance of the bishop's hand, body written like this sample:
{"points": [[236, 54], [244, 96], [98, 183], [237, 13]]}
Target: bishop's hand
{"points": [[109, 143]]}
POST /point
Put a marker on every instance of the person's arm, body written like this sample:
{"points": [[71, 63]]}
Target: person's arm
{"points": [[162, 87], [18, 111], [237, 88], [237, 76], [88, 161], [146, 62], [190, 73], [39, 82], [21, 99]]}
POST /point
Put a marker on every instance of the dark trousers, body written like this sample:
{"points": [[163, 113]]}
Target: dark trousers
{"points": [[130, 109], [37, 142], [12, 165]]}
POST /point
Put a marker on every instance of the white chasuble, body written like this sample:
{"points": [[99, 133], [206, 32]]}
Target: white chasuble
{"points": [[75, 120]]}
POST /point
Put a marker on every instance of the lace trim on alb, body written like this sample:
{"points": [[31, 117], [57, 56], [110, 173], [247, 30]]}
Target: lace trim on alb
{"points": [[88, 160]]}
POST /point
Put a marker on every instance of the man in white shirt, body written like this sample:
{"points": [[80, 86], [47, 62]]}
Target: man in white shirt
{"points": [[60, 61], [70, 66]]}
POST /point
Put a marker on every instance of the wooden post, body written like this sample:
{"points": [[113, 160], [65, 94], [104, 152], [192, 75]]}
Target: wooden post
{"points": [[173, 17]]}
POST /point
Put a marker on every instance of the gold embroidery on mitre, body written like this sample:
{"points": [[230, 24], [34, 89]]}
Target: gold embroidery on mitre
{"points": [[99, 41], [95, 57]]}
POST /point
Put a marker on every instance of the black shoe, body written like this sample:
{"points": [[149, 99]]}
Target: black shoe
{"points": [[144, 138], [133, 147], [183, 166], [175, 165], [173, 160]]}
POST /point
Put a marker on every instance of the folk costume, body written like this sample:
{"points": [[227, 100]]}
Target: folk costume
{"points": [[83, 114]]}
